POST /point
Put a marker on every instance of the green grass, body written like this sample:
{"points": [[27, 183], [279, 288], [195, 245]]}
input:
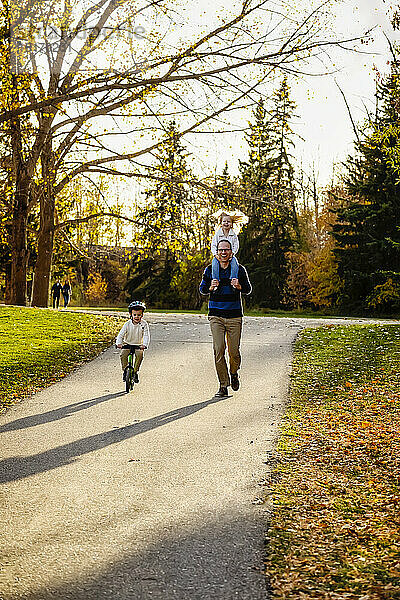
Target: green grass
{"points": [[335, 490], [204, 310], [317, 314], [303, 314], [39, 346], [124, 309]]}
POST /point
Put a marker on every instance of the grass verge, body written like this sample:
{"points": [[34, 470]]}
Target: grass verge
{"points": [[256, 312], [124, 309], [334, 533], [39, 346]]}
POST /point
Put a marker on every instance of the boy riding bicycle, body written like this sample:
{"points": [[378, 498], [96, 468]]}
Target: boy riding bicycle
{"points": [[134, 332]]}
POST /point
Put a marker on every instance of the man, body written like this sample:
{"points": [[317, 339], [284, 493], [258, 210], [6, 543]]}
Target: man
{"points": [[225, 314], [55, 292]]}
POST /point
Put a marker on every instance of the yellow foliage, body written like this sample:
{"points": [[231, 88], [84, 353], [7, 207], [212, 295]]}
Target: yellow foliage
{"points": [[385, 294], [97, 289], [322, 271]]}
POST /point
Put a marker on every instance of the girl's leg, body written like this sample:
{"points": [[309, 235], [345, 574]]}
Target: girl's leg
{"points": [[215, 268], [234, 268]]}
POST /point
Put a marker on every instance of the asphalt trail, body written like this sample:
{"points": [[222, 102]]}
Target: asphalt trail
{"points": [[154, 494]]}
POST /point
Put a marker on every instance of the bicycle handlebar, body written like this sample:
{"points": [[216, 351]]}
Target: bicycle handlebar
{"points": [[129, 347]]}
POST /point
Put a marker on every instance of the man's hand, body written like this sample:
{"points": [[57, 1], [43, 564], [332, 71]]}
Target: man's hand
{"points": [[235, 283], [119, 345], [214, 284], [143, 347]]}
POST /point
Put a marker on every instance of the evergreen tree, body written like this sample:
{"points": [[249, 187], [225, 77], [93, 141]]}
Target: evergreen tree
{"points": [[167, 220], [171, 224], [149, 278], [269, 193], [392, 128], [226, 194], [367, 230]]}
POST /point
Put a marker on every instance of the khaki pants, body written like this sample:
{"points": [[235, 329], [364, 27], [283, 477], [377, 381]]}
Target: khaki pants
{"points": [[124, 358], [226, 332]]}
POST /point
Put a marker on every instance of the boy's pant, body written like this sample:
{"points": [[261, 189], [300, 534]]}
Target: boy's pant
{"points": [[215, 268], [124, 358], [229, 329]]}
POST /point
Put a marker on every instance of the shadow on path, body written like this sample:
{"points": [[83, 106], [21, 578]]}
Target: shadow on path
{"points": [[222, 559], [58, 413], [19, 467], [219, 558]]}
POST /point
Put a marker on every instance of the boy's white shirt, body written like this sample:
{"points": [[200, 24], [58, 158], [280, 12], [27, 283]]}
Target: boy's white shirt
{"points": [[231, 237], [136, 334]]}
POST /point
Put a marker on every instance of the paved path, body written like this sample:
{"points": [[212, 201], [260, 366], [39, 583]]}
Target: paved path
{"points": [[147, 495]]}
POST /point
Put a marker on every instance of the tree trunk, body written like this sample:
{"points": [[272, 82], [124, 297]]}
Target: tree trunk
{"points": [[41, 280], [19, 244], [20, 209], [7, 277]]}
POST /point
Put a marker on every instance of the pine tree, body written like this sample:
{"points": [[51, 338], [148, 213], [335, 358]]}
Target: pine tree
{"points": [[226, 194], [283, 175], [367, 231], [149, 278], [167, 218], [267, 182], [171, 224]]}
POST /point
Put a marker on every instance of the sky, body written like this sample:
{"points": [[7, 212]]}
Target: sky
{"points": [[324, 121], [323, 125]]}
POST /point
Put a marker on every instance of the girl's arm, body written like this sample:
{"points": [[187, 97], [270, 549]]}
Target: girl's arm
{"points": [[214, 244], [235, 243]]}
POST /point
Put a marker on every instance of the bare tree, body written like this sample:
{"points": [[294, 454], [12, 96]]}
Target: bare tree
{"points": [[88, 88]]}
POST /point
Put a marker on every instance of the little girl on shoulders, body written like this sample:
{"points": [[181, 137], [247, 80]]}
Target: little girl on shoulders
{"points": [[229, 225]]}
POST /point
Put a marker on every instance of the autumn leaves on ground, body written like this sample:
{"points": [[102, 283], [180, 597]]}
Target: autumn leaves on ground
{"points": [[335, 489]]}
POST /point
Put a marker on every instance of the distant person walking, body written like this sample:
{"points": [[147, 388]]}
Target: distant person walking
{"points": [[66, 292], [56, 292], [225, 315]]}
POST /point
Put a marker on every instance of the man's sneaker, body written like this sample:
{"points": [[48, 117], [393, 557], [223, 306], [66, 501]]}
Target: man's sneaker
{"points": [[222, 392], [136, 377], [235, 382]]}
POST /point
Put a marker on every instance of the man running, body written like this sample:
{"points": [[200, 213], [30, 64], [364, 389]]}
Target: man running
{"points": [[225, 313]]}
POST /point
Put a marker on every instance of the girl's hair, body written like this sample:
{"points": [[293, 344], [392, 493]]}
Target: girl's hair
{"points": [[235, 218], [222, 215]]}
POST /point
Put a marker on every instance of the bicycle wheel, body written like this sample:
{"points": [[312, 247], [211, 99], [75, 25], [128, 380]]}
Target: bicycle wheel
{"points": [[128, 379]]}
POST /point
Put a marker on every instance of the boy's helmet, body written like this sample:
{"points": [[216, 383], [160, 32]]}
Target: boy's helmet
{"points": [[136, 305]]}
